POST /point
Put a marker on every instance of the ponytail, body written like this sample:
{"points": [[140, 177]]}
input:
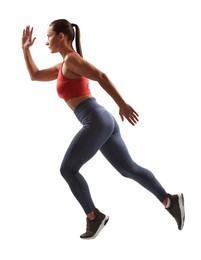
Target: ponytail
{"points": [[77, 39]]}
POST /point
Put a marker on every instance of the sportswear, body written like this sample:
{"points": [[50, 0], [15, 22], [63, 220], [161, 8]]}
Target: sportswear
{"points": [[100, 132], [71, 88], [94, 226], [177, 210]]}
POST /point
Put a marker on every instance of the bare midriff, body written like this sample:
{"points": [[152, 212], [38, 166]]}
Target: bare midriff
{"points": [[72, 103]]}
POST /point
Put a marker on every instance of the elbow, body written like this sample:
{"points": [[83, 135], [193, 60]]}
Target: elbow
{"points": [[34, 76], [102, 77]]}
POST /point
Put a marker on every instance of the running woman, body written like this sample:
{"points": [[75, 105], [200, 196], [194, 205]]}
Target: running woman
{"points": [[99, 131]]}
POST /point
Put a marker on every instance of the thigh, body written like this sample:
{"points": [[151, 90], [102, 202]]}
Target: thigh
{"points": [[115, 150], [95, 132]]}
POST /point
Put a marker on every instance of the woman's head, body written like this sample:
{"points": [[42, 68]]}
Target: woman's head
{"points": [[65, 27]]}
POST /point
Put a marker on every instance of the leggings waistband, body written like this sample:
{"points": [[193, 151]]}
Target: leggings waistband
{"points": [[87, 104]]}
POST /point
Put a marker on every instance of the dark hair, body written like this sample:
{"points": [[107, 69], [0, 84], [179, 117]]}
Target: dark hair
{"points": [[67, 28]]}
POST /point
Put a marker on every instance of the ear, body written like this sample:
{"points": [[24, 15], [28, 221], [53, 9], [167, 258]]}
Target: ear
{"points": [[61, 36]]}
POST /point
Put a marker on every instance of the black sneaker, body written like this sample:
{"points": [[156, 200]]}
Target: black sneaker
{"points": [[176, 209], [95, 225]]}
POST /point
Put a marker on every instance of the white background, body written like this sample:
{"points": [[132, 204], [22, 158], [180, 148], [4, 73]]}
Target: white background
{"points": [[151, 50]]}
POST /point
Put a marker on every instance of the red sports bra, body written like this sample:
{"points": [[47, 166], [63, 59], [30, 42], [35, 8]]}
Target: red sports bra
{"points": [[71, 88]]}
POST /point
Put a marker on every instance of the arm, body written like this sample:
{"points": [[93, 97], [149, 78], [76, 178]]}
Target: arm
{"points": [[80, 66], [36, 74]]}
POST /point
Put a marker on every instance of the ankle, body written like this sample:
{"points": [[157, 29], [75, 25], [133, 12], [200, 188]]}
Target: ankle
{"points": [[166, 202], [91, 215]]}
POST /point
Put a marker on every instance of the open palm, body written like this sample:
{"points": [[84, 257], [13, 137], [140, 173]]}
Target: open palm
{"points": [[27, 40]]}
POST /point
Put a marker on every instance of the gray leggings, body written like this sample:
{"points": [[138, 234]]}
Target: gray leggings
{"points": [[100, 131]]}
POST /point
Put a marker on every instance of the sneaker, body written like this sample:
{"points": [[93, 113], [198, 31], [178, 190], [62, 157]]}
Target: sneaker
{"points": [[176, 209], [95, 225]]}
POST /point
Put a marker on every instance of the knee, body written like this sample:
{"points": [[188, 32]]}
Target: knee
{"points": [[67, 170]]}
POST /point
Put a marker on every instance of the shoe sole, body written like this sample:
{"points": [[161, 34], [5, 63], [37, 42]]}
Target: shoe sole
{"points": [[103, 223], [182, 209]]}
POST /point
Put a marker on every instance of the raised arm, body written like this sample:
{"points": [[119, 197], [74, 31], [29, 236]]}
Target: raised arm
{"points": [[36, 74]]}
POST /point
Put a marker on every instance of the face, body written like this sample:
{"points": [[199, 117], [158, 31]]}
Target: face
{"points": [[53, 40]]}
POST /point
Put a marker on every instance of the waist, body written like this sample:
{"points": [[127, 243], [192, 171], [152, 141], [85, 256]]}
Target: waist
{"points": [[73, 103]]}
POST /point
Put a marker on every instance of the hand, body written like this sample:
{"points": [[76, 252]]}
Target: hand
{"points": [[27, 40], [129, 113]]}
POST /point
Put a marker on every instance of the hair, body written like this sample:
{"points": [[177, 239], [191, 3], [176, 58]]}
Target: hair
{"points": [[67, 28]]}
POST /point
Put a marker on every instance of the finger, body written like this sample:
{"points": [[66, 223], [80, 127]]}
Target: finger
{"points": [[33, 40], [31, 32], [27, 29], [136, 113], [122, 118], [133, 119]]}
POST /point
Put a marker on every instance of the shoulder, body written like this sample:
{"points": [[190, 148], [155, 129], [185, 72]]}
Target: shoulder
{"points": [[72, 57]]}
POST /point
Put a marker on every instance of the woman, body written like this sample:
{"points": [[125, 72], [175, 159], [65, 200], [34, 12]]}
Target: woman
{"points": [[100, 130]]}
